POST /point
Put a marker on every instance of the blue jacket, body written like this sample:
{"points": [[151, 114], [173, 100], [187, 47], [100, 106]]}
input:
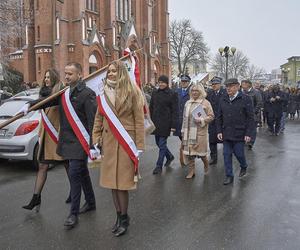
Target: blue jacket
{"points": [[183, 97], [235, 119], [214, 100]]}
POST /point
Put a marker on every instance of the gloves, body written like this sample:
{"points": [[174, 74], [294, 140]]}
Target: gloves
{"points": [[95, 152], [24, 109]]}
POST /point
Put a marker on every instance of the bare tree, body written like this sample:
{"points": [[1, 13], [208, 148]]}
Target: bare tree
{"points": [[237, 65], [187, 44], [253, 72]]}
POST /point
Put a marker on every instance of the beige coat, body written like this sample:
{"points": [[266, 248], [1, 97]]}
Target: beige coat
{"points": [[117, 169], [49, 145], [201, 148]]}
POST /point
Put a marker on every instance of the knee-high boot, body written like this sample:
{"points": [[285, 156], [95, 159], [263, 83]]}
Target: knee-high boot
{"points": [[191, 165], [181, 157]]}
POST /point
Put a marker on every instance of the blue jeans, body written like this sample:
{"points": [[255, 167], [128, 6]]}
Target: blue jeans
{"points": [[236, 148], [161, 142], [282, 122], [80, 178]]}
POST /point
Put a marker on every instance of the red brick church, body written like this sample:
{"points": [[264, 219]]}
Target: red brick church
{"points": [[93, 33]]}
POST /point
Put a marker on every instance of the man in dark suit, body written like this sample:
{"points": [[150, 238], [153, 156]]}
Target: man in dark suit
{"points": [[213, 96], [183, 96], [164, 114], [235, 124]]}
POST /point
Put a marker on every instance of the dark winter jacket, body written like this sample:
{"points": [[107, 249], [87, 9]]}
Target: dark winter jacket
{"points": [[83, 100], [235, 119], [183, 97], [164, 111], [214, 99], [275, 107]]}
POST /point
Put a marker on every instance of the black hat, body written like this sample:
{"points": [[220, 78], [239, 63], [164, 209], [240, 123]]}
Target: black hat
{"points": [[216, 80], [231, 81], [185, 78], [164, 79]]}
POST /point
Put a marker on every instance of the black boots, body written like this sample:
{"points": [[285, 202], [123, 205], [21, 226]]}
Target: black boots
{"points": [[117, 224], [124, 223], [35, 202]]}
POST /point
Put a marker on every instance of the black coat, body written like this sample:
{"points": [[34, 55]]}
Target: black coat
{"points": [[183, 97], [257, 102], [235, 119], [84, 102], [164, 111], [275, 108], [214, 99]]}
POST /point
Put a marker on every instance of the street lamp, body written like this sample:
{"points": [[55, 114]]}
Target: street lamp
{"points": [[226, 52], [285, 72]]}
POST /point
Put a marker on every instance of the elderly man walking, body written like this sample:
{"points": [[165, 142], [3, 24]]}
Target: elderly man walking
{"points": [[235, 125]]}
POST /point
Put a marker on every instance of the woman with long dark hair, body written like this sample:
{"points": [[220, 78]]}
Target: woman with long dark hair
{"points": [[47, 146]]}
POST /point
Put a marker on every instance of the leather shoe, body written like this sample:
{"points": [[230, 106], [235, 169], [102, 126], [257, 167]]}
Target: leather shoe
{"points": [[157, 170], [213, 161], [71, 221], [86, 208], [243, 171], [168, 162], [228, 180]]}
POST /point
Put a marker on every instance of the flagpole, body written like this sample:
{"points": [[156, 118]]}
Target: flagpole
{"points": [[51, 97], [106, 66], [34, 107]]}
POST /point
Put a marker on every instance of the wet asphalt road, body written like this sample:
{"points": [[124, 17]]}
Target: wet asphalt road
{"points": [[260, 211]]}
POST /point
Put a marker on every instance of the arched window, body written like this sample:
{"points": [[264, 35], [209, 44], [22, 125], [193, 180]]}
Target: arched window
{"points": [[38, 33], [83, 29], [39, 65], [57, 29]]}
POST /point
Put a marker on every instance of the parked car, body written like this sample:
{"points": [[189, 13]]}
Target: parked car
{"points": [[19, 140]]}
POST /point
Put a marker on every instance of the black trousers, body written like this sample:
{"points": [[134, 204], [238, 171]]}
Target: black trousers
{"points": [[274, 121], [213, 150], [80, 179]]}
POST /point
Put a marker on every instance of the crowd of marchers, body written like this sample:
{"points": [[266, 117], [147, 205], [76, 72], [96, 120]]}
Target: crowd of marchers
{"points": [[227, 113], [75, 125]]}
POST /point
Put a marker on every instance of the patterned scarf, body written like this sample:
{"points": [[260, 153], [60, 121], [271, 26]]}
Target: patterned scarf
{"points": [[189, 127]]}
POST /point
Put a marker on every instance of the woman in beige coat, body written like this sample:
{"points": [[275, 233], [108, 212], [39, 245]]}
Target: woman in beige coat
{"points": [[117, 169], [47, 147], [197, 114]]}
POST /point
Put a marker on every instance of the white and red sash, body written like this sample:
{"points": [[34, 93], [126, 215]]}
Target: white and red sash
{"points": [[77, 126], [49, 127], [118, 130]]}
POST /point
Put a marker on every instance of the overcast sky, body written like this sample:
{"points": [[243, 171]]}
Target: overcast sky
{"points": [[267, 31]]}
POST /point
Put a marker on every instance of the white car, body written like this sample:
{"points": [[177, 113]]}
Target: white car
{"points": [[19, 140]]}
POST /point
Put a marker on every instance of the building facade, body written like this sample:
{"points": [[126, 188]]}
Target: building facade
{"points": [[290, 71], [93, 33]]}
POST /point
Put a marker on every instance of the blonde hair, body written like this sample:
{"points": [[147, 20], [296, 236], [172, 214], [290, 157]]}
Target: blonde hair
{"points": [[200, 88], [125, 88]]}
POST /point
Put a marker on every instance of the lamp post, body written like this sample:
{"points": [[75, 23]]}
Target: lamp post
{"points": [[285, 74], [226, 52]]}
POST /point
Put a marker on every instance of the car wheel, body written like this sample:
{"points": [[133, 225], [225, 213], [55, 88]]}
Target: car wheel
{"points": [[35, 162]]}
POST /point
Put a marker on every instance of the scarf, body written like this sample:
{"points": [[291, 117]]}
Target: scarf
{"points": [[189, 127], [45, 91], [110, 90]]}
